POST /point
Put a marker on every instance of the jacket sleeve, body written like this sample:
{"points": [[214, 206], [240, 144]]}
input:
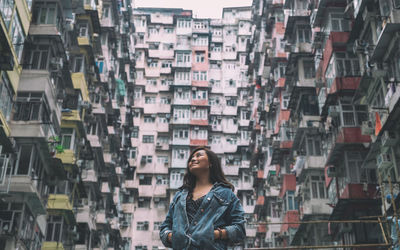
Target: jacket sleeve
{"points": [[236, 229], [166, 226]]}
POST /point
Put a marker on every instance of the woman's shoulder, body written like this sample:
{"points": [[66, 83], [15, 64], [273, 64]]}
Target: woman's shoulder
{"points": [[224, 190]]}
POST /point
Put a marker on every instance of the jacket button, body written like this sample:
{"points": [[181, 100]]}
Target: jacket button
{"points": [[195, 222], [208, 198]]}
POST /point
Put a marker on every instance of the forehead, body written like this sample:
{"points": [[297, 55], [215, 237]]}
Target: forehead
{"points": [[199, 152]]}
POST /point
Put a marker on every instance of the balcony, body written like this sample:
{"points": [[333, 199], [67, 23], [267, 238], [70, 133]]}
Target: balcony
{"points": [[350, 191], [61, 203], [180, 141], [387, 34], [25, 186], [315, 207], [85, 215], [52, 245], [152, 72], [89, 176], [67, 157], [179, 163], [343, 138], [101, 217], [145, 191]]}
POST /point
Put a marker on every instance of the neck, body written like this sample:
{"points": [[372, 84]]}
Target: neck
{"points": [[202, 181]]}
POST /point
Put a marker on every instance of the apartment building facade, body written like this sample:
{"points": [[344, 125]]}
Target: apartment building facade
{"points": [[190, 90], [325, 75], [64, 126]]}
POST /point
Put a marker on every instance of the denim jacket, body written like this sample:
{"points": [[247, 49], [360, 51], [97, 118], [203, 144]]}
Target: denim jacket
{"points": [[220, 209]]}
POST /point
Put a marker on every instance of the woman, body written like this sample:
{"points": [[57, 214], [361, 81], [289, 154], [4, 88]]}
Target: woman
{"points": [[204, 213]]}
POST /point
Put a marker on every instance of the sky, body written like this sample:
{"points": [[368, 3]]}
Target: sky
{"points": [[201, 8]]}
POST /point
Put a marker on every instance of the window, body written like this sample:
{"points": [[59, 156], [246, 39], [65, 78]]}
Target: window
{"points": [[200, 57], [150, 99], [54, 230], [166, 64], [146, 159], [346, 64], [180, 154], [200, 114], [181, 133], [149, 119], [38, 57], [132, 153], [199, 94], [31, 107], [353, 115], [168, 30], [162, 180], [157, 225], [200, 41], [151, 81], [162, 160], [45, 13], [181, 114], [18, 37], [135, 132], [106, 11], [79, 64], [145, 179], [142, 226], [217, 48], [67, 138], [231, 83], [200, 75], [176, 176], [6, 9], [182, 76], [183, 58], [309, 69], [83, 30], [6, 96], [153, 64], [339, 23], [249, 200], [140, 247], [289, 201], [199, 134], [184, 23], [245, 135], [231, 102], [148, 139], [137, 93], [165, 100], [139, 75], [314, 146], [318, 190], [303, 34]]}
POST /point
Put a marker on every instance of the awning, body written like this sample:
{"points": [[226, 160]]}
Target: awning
{"points": [[388, 32]]}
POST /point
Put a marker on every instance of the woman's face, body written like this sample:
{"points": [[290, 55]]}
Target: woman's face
{"points": [[199, 162]]}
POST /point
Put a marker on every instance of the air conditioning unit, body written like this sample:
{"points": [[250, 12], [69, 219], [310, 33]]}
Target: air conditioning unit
{"points": [[331, 171], [334, 111], [389, 138], [384, 160], [367, 128]]}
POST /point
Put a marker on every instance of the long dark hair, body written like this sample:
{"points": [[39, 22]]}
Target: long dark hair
{"points": [[216, 173]]}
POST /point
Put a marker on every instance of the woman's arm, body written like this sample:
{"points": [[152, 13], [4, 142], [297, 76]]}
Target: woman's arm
{"points": [[235, 231], [166, 226]]}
